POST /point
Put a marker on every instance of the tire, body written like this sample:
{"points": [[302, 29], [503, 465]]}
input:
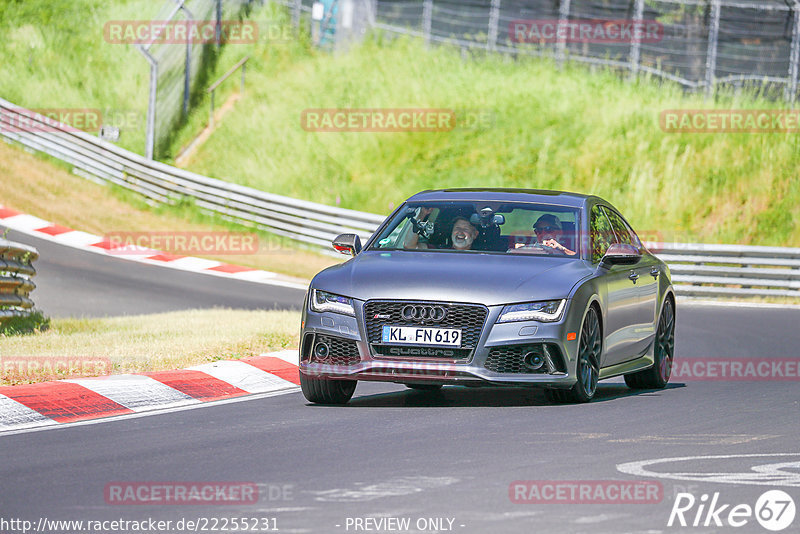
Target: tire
{"points": [[425, 387], [588, 367], [657, 376], [327, 391]]}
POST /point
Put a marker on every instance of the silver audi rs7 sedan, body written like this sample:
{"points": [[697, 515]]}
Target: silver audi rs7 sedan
{"points": [[490, 287]]}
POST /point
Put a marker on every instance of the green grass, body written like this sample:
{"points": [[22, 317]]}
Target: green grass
{"points": [[33, 323], [570, 128], [54, 56]]}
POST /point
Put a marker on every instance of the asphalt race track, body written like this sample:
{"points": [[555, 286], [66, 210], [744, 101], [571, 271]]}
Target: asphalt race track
{"points": [[444, 461], [71, 282]]}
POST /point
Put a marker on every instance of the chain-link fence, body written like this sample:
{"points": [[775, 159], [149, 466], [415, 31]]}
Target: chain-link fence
{"points": [[701, 44], [697, 43], [182, 38]]}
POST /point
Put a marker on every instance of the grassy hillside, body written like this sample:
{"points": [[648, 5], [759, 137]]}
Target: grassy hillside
{"points": [[55, 56], [550, 128], [565, 129]]}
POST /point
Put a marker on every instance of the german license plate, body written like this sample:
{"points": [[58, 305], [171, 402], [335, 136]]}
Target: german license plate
{"points": [[421, 335]]}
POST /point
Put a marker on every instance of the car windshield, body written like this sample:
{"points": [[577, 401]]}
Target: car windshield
{"points": [[493, 227]]}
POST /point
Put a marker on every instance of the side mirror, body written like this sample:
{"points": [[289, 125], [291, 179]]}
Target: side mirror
{"points": [[347, 244], [619, 254]]}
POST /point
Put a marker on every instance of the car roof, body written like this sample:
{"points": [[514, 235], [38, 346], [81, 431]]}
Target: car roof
{"points": [[543, 196]]}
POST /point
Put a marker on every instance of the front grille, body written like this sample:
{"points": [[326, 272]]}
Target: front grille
{"points": [[342, 351], [511, 359], [468, 317]]}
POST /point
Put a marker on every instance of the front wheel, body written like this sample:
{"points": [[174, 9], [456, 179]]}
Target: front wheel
{"points": [[588, 366], [657, 376], [326, 390]]}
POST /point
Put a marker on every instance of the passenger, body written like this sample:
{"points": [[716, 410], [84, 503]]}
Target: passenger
{"points": [[463, 234], [461, 238], [548, 231]]}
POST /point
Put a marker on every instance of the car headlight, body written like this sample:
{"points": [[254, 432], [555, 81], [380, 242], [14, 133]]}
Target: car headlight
{"points": [[322, 301], [546, 311]]}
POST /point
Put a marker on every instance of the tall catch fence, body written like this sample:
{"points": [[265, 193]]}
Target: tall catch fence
{"points": [[700, 44], [176, 67]]}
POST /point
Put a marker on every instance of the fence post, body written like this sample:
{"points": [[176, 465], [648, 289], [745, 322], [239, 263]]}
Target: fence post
{"points": [[427, 15], [494, 18], [794, 57], [151, 106], [713, 37], [296, 14], [563, 19], [636, 44], [187, 68], [218, 30]]}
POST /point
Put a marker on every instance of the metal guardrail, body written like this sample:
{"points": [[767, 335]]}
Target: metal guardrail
{"points": [[697, 269], [101, 161], [732, 270], [16, 270]]}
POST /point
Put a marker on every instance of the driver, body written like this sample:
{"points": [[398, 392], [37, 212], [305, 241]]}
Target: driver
{"points": [[548, 230]]}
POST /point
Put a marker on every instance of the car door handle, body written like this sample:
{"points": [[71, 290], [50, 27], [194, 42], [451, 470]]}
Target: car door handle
{"points": [[654, 272], [633, 276]]}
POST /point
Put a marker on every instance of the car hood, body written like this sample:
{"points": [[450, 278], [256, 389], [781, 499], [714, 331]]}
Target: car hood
{"points": [[490, 279]]}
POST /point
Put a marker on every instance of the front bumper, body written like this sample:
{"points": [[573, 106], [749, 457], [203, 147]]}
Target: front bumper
{"points": [[353, 357]]}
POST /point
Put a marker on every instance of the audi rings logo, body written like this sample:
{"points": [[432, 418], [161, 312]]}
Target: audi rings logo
{"points": [[421, 313]]}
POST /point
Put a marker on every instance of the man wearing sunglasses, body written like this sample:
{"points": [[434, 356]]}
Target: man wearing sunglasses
{"points": [[548, 230]]}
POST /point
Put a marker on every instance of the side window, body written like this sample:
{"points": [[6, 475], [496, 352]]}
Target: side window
{"points": [[621, 228], [601, 233]]}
